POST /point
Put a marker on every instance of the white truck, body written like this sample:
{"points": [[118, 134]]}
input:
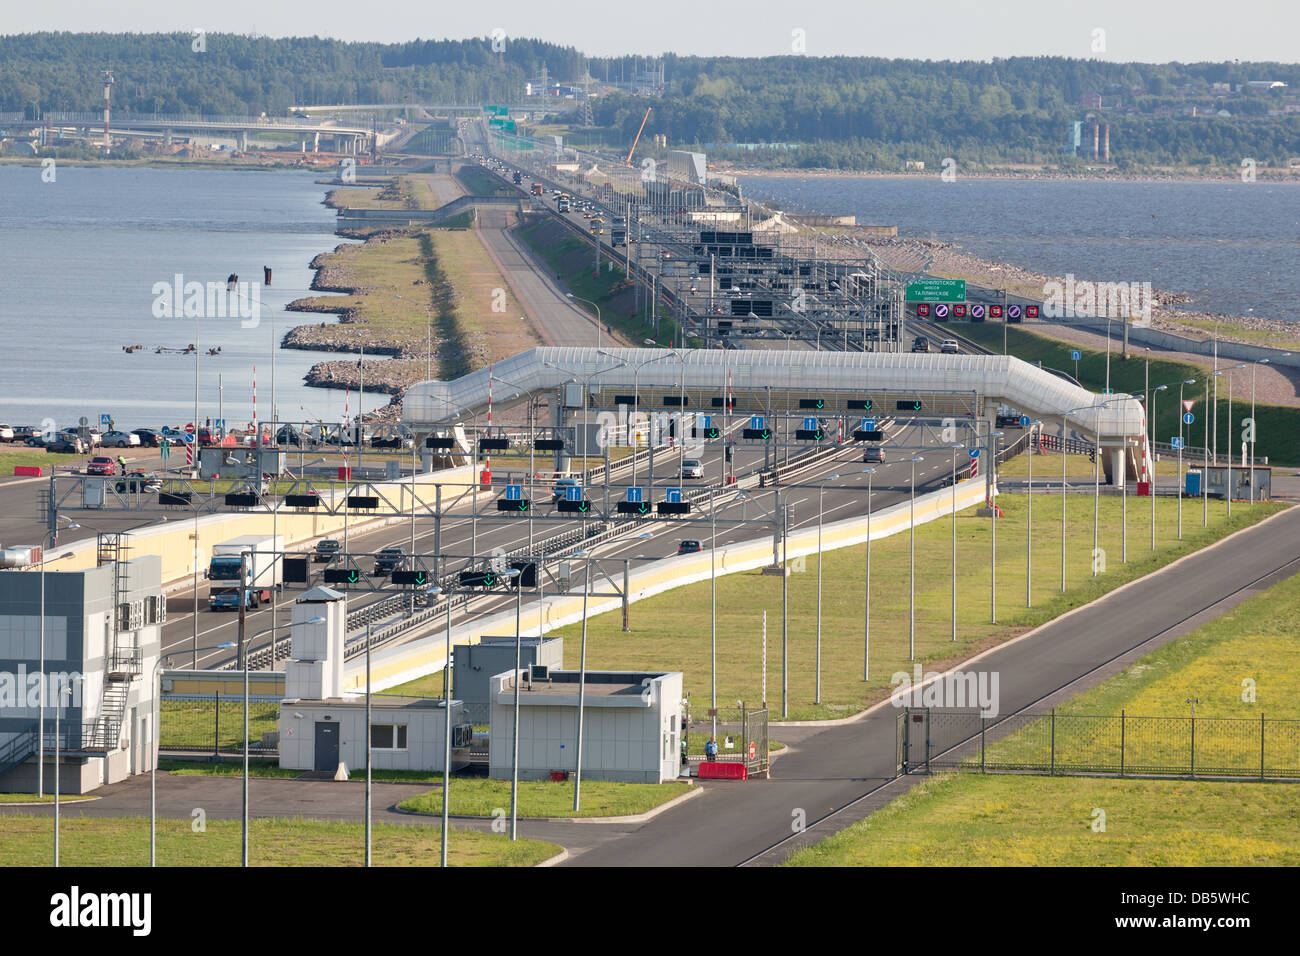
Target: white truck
{"points": [[265, 570]]}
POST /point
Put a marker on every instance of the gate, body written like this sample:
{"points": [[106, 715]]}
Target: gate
{"points": [[740, 733]]}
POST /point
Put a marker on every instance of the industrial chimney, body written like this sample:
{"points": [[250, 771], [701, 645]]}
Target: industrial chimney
{"points": [[107, 76]]}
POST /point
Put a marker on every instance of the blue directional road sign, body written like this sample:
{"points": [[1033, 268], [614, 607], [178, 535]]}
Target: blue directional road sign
{"points": [[189, 438], [634, 495], [674, 496], [1024, 421], [572, 493], [868, 424], [704, 421], [1188, 418], [1176, 442], [1075, 355], [105, 419], [514, 492], [810, 424], [973, 452], [756, 421]]}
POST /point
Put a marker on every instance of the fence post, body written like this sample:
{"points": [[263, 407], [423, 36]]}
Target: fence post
{"points": [[1121, 743], [1261, 746], [216, 727], [907, 739], [1193, 746], [927, 740], [1052, 770], [983, 721]]}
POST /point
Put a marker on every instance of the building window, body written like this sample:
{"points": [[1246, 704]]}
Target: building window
{"points": [[388, 736]]}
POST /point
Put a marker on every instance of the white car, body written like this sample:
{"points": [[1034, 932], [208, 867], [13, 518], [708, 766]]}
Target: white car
{"points": [[118, 439], [6, 433], [949, 347], [692, 468]]}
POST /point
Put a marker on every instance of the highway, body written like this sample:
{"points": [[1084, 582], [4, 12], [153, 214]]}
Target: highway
{"points": [[493, 531]]}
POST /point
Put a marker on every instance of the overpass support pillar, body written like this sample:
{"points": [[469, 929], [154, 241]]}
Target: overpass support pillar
{"points": [[241, 140], [1118, 466], [315, 143], [167, 137]]}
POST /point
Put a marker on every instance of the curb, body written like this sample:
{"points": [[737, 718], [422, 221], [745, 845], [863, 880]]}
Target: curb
{"points": [[555, 860], [863, 714], [695, 791], [51, 803]]}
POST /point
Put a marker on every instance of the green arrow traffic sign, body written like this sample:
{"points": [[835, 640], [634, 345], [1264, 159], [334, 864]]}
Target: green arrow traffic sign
{"points": [[767, 433], [352, 577], [523, 506], [583, 506], [643, 509]]}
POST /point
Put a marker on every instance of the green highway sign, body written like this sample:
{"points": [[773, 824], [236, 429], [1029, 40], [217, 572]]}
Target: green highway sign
{"points": [[497, 110], [936, 290]]}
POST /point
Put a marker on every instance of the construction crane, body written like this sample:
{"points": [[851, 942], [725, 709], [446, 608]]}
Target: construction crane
{"points": [[628, 161]]}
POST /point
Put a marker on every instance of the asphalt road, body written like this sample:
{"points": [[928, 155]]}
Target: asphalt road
{"points": [[834, 767]]}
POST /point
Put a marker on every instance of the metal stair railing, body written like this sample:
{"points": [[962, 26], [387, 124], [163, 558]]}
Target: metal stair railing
{"points": [[17, 750]]}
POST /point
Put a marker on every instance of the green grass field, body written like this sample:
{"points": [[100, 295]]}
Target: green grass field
{"points": [[124, 841], [477, 797], [261, 768], [48, 798], [671, 630], [1240, 665], [992, 820], [1276, 424], [11, 458], [1048, 467]]}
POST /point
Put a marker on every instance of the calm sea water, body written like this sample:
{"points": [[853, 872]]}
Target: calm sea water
{"points": [[1234, 247], [78, 261]]}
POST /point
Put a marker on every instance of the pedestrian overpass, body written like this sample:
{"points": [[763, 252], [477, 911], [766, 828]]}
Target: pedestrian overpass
{"points": [[839, 388]]}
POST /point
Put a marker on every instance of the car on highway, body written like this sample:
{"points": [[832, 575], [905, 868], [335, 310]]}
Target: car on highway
{"points": [[100, 465], [138, 482], [7, 433], [389, 560], [326, 551], [1007, 421], [558, 492], [873, 453], [920, 344], [692, 468], [949, 347], [119, 439], [288, 435], [690, 546]]}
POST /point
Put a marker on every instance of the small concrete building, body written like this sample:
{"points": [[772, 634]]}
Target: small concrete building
{"points": [[320, 729], [631, 729], [102, 637], [406, 733]]}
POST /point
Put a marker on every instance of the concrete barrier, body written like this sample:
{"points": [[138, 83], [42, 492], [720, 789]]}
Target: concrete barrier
{"points": [[29, 471], [182, 542]]}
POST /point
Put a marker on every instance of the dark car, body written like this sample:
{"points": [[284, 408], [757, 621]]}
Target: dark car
{"points": [[25, 433], [65, 446], [391, 440], [689, 546], [148, 437], [873, 453], [920, 344], [1008, 421], [288, 435], [139, 482], [389, 560], [326, 551]]}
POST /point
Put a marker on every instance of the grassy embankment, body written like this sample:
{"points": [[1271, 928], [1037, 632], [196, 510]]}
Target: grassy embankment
{"points": [[1275, 424], [671, 630], [124, 841], [994, 820], [572, 259]]}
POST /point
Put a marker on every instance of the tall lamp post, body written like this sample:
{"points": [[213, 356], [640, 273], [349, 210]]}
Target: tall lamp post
{"points": [[228, 645], [817, 689], [1253, 425], [911, 567], [1152, 489], [993, 540], [153, 768], [51, 539], [866, 593], [58, 702], [582, 667], [1029, 521], [514, 762], [1179, 482], [956, 446], [446, 727], [594, 306]]}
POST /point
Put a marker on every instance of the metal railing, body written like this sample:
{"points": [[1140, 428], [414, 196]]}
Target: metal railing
{"points": [[214, 724], [1119, 744]]}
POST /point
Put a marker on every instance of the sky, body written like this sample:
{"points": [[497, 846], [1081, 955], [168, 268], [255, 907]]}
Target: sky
{"points": [[1130, 30]]}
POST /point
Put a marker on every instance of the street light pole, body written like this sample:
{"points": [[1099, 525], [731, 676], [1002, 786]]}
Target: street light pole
{"points": [[514, 763], [866, 603], [1064, 426], [817, 683], [1152, 489], [955, 447], [153, 765], [911, 567], [1029, 522]]}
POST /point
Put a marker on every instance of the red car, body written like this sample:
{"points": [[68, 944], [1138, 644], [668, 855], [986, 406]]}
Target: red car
{"points": [[100, 465]]}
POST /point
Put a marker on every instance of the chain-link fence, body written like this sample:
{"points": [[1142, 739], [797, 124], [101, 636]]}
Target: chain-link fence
{"points": [[931, 740], [214, 723]]}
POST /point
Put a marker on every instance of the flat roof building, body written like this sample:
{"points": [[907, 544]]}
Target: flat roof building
{"points": [[631, 728]]}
